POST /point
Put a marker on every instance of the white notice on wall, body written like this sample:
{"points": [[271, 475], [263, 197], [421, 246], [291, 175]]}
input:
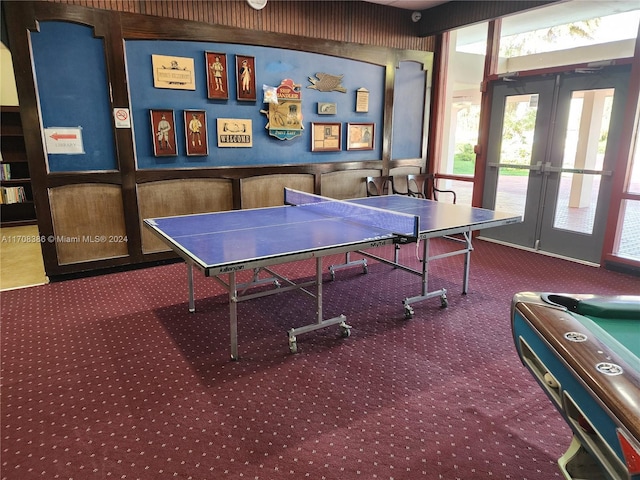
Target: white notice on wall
{"points": [[64, 140], [122, 117]]}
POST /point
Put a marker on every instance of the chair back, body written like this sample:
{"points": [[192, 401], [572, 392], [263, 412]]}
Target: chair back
{"points": [[381, 185], [422, 185]]}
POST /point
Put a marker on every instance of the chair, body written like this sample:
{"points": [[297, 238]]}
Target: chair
{"points": [[381, 185], [423, 186]]}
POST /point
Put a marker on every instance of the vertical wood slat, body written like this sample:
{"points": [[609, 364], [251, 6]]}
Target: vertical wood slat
{"points": [[346, 21]]}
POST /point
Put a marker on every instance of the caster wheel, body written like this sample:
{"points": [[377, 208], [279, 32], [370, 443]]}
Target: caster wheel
{"points": [[333, 276], [408, 313], [365, 269], [444, 303], [293, 345], [345, 331]]}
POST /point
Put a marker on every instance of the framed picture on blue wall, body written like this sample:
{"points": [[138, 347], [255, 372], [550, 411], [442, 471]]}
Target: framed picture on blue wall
{"points": [[246, 77], [163, 130], [326, 137], [360, 136], [195, 129], [217, 83]]}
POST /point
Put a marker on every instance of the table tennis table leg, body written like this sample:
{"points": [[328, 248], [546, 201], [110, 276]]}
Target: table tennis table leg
{"points": [[424, 293], [233, 315], [192, 303], [345, 329], [467, 263], [347, 264]]}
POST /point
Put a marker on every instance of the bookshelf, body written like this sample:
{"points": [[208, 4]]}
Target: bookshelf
{"points": [[17, 206]]}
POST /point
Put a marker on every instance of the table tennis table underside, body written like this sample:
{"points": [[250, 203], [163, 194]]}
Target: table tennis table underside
{"points": [[241, 292]]}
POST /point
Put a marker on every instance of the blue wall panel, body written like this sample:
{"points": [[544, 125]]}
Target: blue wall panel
{"points": [[73, 91], [408, 110], [272, 66]]}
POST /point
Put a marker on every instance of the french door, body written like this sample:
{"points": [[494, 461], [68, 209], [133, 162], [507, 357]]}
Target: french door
{"points": [[552, 149]]}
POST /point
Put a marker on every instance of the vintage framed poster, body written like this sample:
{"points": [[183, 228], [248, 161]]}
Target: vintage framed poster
{"points": [[235, 132], [173, 72], [360, 136], [326, 137], [195, 129], [246, 77], [163, 130], [217, 83]]}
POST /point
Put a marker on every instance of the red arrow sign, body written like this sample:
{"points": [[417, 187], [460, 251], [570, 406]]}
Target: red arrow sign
{"points": [[64, 136]]}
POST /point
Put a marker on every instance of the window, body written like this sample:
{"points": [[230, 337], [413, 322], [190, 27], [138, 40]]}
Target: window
{"points": [[462, 111], [568, 33]]}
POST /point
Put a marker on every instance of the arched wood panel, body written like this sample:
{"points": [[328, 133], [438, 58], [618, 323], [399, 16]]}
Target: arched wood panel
{"points": [[268, 190], [88, 222], [346, 184], [180, 197]]}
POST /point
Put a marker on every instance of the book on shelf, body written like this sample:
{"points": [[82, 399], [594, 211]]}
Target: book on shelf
{"points": [[10, 195], [5, 172]]}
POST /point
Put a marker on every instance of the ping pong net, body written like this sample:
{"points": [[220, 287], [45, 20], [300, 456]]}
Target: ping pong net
{"points": [[403, 226]]}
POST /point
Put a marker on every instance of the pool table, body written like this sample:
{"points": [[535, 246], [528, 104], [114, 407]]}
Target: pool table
{"points": [[584, 351]]}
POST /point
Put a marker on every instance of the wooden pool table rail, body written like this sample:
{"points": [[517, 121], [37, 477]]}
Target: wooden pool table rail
{"points": [[619, 393]]}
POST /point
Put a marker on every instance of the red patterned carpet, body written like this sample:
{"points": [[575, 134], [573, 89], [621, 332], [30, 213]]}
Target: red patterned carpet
{"points": [[110, 378]]}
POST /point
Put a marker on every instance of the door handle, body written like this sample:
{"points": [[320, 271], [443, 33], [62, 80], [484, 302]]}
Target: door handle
{"points": [[534, 168], [583, 171]]}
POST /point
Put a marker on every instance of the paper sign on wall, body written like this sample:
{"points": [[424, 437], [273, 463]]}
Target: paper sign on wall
{"points": [[64, 140], [122, 117]]}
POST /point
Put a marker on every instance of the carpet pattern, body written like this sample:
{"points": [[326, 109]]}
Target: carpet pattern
{"points": [[111, 377]]}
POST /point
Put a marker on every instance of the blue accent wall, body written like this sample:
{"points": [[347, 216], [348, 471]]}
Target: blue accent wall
{"points": [[73, 90], [272, 65], [408, 110]]}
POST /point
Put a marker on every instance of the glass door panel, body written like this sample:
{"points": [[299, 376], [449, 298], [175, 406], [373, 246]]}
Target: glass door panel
{"points": [[576, 204], [628, 244], [516, 152], [585, 143]]}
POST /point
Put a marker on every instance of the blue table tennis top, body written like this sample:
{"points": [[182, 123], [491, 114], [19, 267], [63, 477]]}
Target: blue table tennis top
{"points": [[239, 236], [439, 217]]}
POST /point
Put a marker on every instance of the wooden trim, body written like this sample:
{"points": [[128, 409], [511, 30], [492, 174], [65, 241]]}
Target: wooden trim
{"points": [[438, 101], [490, 67]]}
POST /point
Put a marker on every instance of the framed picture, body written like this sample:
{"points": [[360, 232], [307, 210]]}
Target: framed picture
{"points": [[360, 136], [176, 73], [217, 83], [326, 137], [246, 77], [195, 129], [163, 130], [235, 132], [325, 108]]}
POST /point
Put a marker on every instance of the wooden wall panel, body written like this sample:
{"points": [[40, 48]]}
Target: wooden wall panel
{"points": [[88, 222], [267, 190], [180, 197], [345, 21], [346, 184], [399, 175]]}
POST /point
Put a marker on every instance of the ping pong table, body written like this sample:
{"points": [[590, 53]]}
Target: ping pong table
{"points": [[223, 244]]}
